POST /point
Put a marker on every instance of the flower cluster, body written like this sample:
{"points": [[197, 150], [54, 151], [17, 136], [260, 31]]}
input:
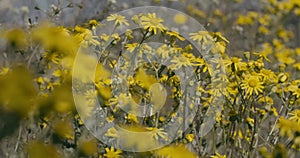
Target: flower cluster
{"points": [[246, 84]]}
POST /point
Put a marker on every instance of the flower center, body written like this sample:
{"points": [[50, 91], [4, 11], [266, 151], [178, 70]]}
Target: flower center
{"points": [[252, 83], [154, 21]]}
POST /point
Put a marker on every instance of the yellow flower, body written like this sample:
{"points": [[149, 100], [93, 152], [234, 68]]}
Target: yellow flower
{"points": [[93, 23], [181, 61], [201, 36], [235, 64], [266, 99], [218, 13], [175, 151], [116, 37], [219, 35], [190, 137], [55, 39], [136, 19], [163, 51], [162, 119], [295, 116], [119, 19], [128, 34], [132, 118], [285, 56], [4, 71], [287, 127], [265, 20], [64, 130], [264, 54], [244, 20], [250, 121], [283, 77], [157, 133], [78, 119], [284, 34], [112, 153], [263, 30], [297, 11], [144, 79], [112, 132], [193, 10], [297, 66], [16, 37], [296, 92], [175, 34], [131, 47], [268, 76], [219, 47], [51, 57], [104, 37], [218, 156], [90, 97], [152, 23], [252, 83], [179, 18], [88, 147], [85, 36], [104, 90]]}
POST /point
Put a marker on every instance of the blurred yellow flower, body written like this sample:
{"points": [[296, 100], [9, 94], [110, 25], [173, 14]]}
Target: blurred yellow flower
{"points": [[180, 19], [4, 71], [288, 127], [16, 38], [175, 151], [144, 79], [88, 147]]}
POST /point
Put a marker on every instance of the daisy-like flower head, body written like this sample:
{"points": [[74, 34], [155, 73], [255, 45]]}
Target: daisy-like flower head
{"points": [[201, 36], [295, 116], [268, 75], [181, 61], [157, 133], [112, 153], [152, 23], [119, 19], [252, 83]]}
